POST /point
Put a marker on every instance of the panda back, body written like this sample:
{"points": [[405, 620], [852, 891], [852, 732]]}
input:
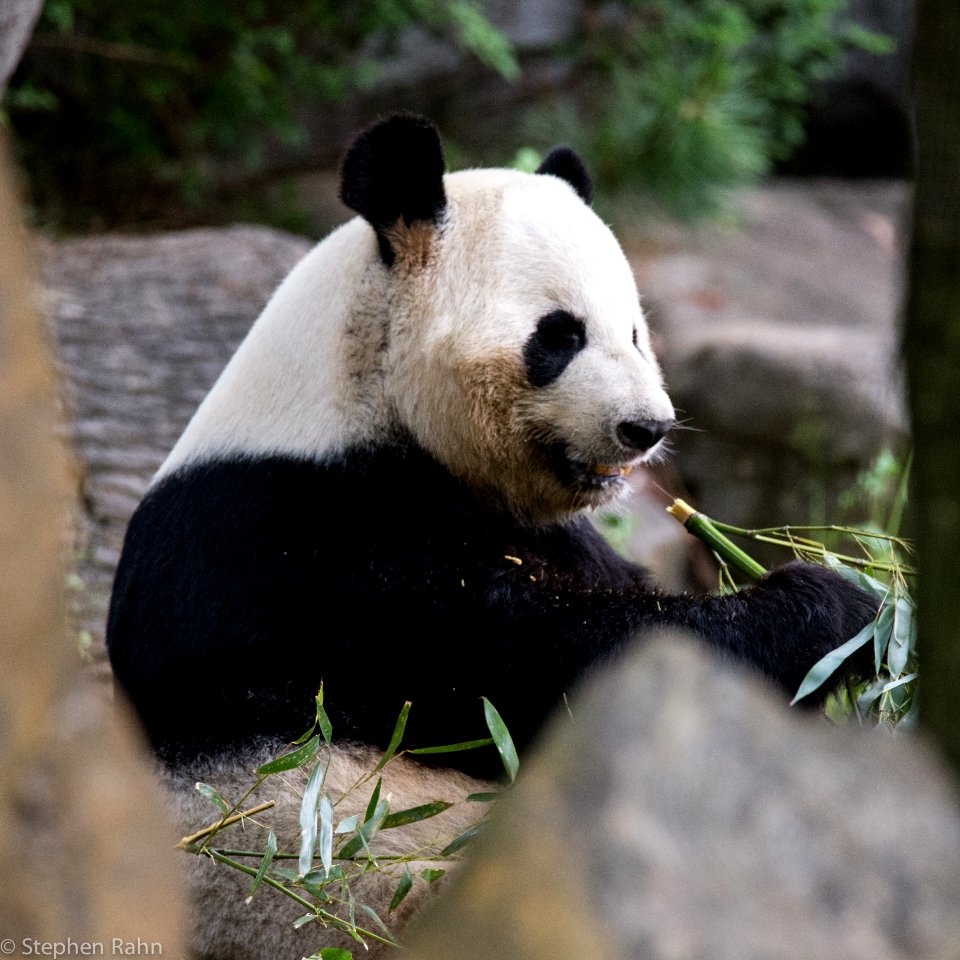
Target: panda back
{"points": [[304, 381]]}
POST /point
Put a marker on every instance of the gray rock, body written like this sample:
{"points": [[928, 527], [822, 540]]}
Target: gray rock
{"points": [[779, 341], [143, 326], [17, 18], [683, 813]]}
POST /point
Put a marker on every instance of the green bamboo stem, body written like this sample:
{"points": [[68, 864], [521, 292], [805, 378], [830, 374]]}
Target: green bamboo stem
{"points": [[702, 527], [321, 914]]}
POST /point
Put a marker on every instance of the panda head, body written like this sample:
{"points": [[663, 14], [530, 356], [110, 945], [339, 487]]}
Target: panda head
{"points": [[516, 351]]}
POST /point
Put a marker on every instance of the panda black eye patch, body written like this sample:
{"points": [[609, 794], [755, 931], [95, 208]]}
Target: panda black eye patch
{"points": [[559, 337]]}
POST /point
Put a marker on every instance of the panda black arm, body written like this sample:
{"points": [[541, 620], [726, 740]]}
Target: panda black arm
{"points": [[781, 626]]}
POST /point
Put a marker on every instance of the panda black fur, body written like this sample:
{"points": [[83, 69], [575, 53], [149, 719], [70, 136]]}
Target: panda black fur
{"points": [[418, 403]]}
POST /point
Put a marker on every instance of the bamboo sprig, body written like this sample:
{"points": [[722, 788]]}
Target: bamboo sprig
{"points": [[390, 858], [807, 548], [712, 533], [224, 822], [321, 914]]}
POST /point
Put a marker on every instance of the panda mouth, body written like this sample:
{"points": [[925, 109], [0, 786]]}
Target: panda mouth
{"points": [[593, 475]]}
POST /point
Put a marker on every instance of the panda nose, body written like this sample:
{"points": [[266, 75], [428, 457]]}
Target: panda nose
{"points": [[642, 434]]}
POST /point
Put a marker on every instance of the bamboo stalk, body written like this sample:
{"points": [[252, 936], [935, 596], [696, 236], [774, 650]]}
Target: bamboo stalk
{"points": [[214, 827], [702, 527], [324, 916]]}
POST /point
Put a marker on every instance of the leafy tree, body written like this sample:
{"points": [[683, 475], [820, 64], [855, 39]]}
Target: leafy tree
{"points": [[690, 98], [118, 105]]}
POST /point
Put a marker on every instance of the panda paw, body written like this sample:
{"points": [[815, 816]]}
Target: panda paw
{"points": [[818, 611]]}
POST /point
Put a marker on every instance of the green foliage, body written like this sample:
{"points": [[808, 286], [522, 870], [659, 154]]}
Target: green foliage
{"points": [[690, 98], [118, 106], [334, 850]]}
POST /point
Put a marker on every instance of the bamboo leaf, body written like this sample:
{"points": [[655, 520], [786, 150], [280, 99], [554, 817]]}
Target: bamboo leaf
{"points": [[308, 817], [458, 842], [826, 666], [455, 747], [214, 796], [320, 878], [883, 630], [898, 652], [502, 739], [370, 912], [304, 920], [365, 834], [373, 801], [861, 579], [295, 758], [431, 874], [323, 721], [414, 814], [403, 888], [326, 834], [482, 797], [893, 684], [870, 696], [348, 824], [308, 733], [268, 855], [401, 725]]}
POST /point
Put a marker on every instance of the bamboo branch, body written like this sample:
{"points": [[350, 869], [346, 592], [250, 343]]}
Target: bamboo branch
{"points": [[320, 913], [214, 827]]}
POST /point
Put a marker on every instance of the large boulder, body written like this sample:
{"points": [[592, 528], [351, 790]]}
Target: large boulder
{"points": [[683, 812], [779, 341], [17, 18]]}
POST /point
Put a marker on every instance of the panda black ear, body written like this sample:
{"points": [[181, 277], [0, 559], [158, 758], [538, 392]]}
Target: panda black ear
{"points": [[394, 172], [566, 164]]}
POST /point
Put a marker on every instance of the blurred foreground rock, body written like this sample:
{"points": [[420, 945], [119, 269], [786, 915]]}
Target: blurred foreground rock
{"points": [[685, 814], [85, 850]]}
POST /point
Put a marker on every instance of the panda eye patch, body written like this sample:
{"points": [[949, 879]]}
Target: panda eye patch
{"points": [[559, 337]]}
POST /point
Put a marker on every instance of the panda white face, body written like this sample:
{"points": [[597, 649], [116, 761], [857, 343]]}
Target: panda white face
{"points": [[523, 362]]}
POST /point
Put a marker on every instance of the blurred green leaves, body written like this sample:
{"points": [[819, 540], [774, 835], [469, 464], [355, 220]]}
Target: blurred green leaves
{"points": [[118, 107], [122, 111], [687, 99]]}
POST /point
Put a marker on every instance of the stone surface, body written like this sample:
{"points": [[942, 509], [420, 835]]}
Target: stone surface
{"points": [[683, 813], [143, 326], [779, 344], [17, 18]]}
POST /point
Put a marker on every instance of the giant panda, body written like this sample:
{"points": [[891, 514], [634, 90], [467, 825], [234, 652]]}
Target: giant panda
{"points": [[388, 490]]}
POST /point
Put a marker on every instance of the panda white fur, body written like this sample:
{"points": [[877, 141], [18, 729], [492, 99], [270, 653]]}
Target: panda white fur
{"points": [[441, 388]]}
